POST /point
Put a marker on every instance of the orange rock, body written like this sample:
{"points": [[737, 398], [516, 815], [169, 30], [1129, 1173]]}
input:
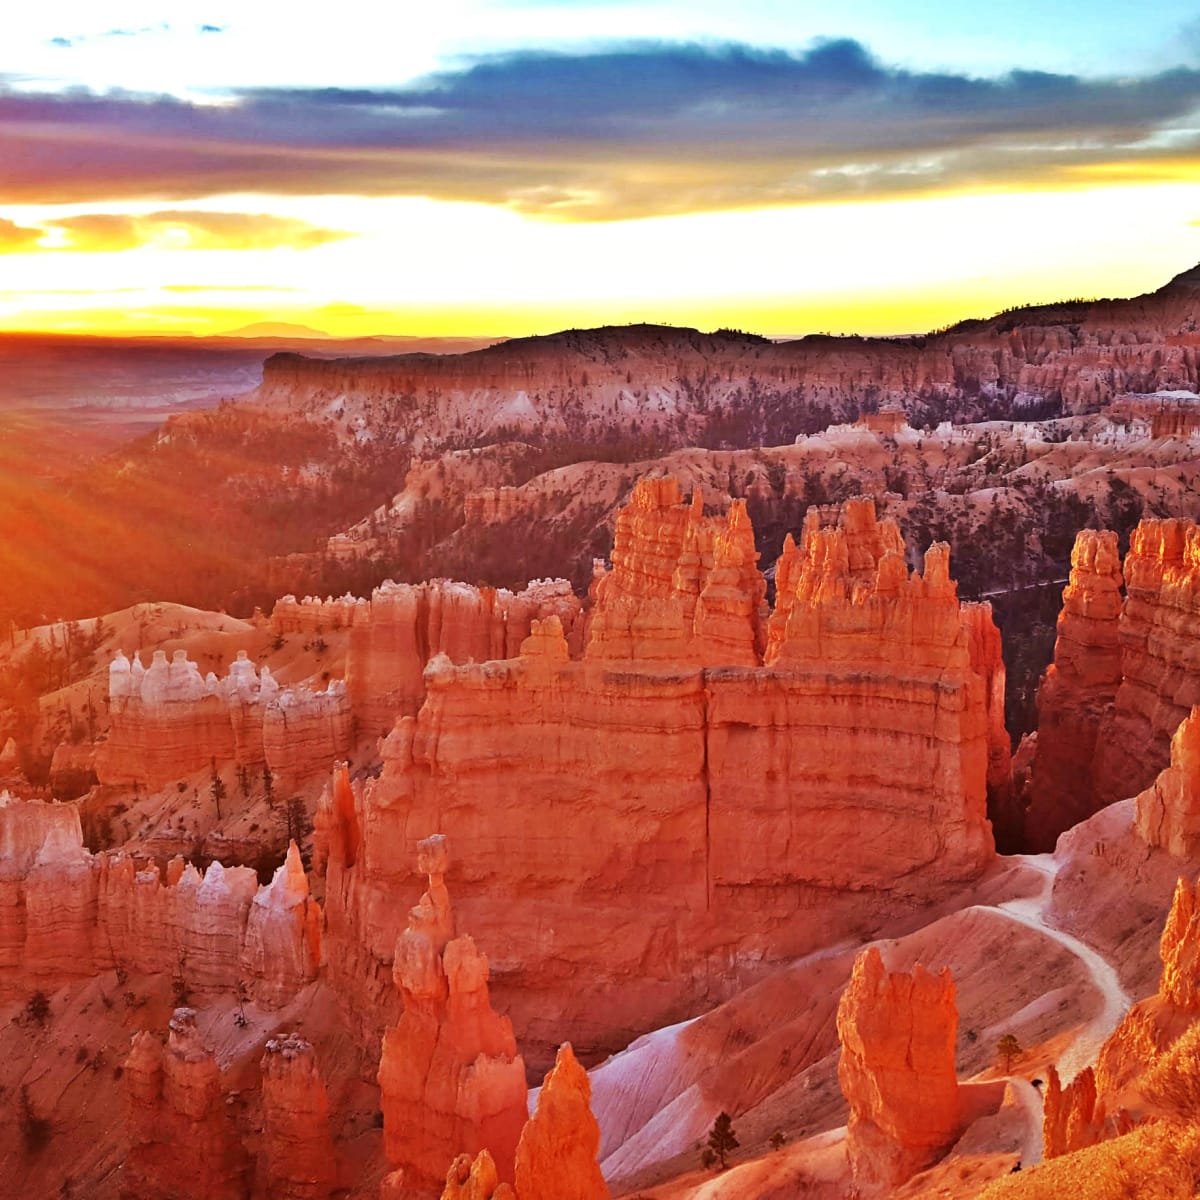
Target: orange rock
{"points": [[1179, 949], [897, 1033], [1078, 692], [450, 1078], [1160, 672], [296, 1161], [1168, 812], [183, 1142], [475, 1179], [592, 793], [559, 1146], [403, 626], [1071, 1118]]}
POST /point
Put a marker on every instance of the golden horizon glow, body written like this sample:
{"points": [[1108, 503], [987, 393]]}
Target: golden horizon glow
{"points": [[439, 268]]}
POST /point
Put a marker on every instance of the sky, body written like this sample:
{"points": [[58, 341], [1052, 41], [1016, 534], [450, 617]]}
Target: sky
{"points": [[507, 167]]}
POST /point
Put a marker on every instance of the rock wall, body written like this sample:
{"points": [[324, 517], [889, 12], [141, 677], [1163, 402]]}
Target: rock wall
{"points": [[169, 722], [897, 1033], [1078, 692], [296, 1160], [1168, 812], [183, 1140], [669, 831], [1159, 629], [450, 1078], [403, 626], [66, 914], [1072, 1117]]}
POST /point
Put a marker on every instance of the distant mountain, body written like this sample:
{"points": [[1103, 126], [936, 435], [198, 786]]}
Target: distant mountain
{"points": [[275, 329]]}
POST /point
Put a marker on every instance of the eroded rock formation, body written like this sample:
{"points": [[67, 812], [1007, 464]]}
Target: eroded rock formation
{"points": [[591, 792], [168, 722], [1168, 812], [296, 1161], [897, 1033], [450, 1078], [403, 626], [1072, 1117], [1078, 691], [183, 1141], [67, 914]]}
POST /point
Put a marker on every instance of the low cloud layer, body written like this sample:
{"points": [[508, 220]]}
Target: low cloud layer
{"points": [[631, 131], [113, 232]]}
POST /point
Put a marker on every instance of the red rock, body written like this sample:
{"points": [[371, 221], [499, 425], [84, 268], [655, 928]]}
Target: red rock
{"points": [[897, 1033], [1179, 949], [296, 1161], [1168, 812], [559, 1146], [183, 1142], [1078, 692], [475, 1179], [450, 1078], [403, 626], [590, 794], [1072, 1118], [1160, 681]]}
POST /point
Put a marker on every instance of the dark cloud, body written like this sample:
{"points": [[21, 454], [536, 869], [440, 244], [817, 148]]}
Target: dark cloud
{"points": [[113, 232], [623, 131], [212, 28]]}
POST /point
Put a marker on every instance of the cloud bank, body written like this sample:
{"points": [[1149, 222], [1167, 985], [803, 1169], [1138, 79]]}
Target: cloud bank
{"points": [[617, 132]]}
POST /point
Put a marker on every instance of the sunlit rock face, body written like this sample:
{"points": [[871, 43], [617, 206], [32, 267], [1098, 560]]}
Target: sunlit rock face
{"points": [[897, 1032], [403, 626], [183, 1139], [1078, 691], [169, 722], [666, 828], [450, 1078], [68, 914]]}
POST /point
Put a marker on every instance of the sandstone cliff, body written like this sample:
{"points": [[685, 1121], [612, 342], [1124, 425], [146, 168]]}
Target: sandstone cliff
{"points": [[1072, 1116], [403, 626], [450, 1078], [68, 914], [169, 722], [1160, 674], [1168, 812], [897, 1033], [296, 1160], [183, 1142], [1078, 691], [591, 793]]}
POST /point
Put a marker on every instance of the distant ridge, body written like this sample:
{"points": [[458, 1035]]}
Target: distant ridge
{"points": [[275, 329]]}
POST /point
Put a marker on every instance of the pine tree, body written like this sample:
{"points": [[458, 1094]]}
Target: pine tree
{"points": [[1008, 1048], [721, 1139]]}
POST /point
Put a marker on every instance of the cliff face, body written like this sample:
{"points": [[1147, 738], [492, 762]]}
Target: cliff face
{"points": [[593, 793], [403, 626], [67, 914], [1072, 1117], [1168, 812], [897, 1033], [1160, 672], [296, 1161], [1106, 720], [1078, 691], [168, 722], [450, 1078], [183, 1142], [687, 387]]}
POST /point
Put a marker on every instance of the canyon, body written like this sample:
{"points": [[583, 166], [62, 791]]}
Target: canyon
{"points": [[741, 849]]}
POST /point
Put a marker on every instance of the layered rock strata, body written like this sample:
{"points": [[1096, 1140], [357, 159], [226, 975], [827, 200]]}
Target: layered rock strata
{"points": [[1078, 691], [450, 1078], [296, 1160], [897, 1033], [684, 588], [684, 818], [183, 1141], [168, 722], [1159, 629], [403, 626], [1168, 812], [67, 914]]}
